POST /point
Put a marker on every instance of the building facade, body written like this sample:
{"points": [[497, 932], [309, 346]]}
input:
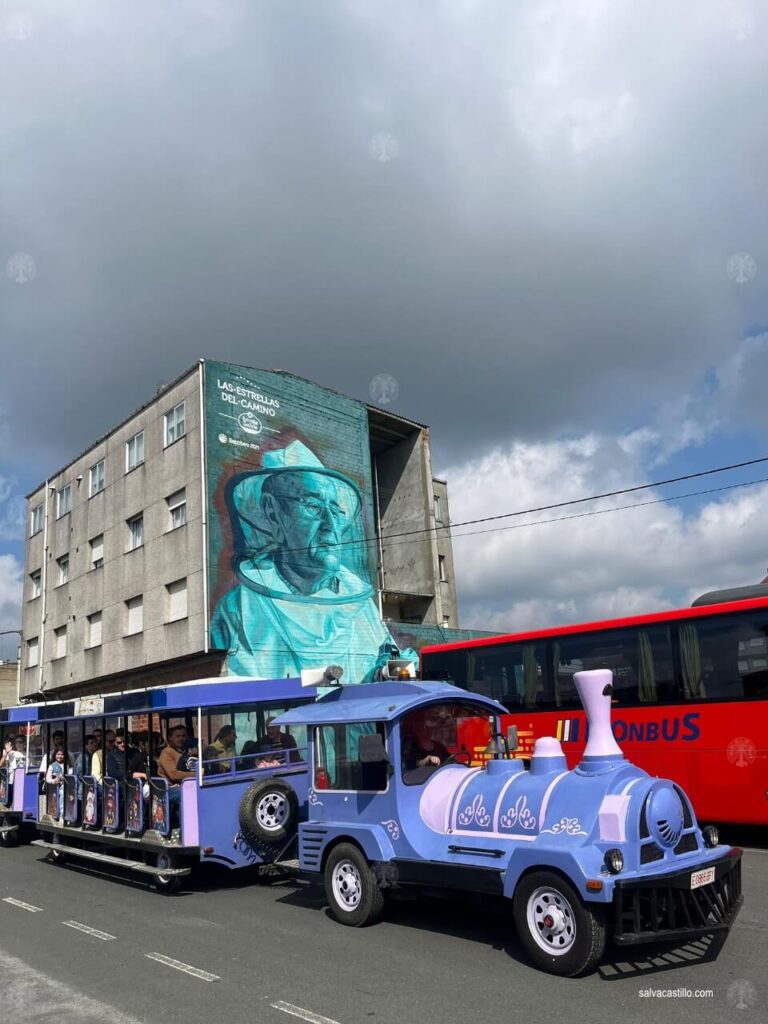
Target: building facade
{"points": [[241, 522]]}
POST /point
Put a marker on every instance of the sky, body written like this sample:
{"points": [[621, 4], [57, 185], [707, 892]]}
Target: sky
{"points": [[545, 222]]}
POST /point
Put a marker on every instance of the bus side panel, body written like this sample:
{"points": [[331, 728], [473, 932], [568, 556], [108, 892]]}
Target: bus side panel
{"points": [[717, 752]]}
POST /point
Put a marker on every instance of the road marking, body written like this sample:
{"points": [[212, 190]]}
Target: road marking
{"points": [[89, 931], [187, 968], [23, 905], [298, 1011]]}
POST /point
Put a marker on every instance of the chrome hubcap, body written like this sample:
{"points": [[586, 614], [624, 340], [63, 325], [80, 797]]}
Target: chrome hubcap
{"points": [[272, 810], [347, 885], [551, 921]]}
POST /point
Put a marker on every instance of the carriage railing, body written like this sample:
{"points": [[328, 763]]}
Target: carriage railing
{"points": [[216, 769]]}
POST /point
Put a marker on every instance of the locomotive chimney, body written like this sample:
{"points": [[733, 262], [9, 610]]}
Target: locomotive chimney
{"points": [[595, 689]]}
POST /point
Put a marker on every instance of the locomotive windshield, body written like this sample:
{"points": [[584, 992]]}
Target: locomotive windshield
{"points": [[455, 733]]}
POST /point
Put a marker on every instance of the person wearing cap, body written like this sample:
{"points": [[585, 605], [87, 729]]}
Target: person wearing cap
{"points": [[274, 740], [303, 598]]}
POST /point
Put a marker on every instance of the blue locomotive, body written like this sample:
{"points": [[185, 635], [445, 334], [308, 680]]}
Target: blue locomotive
{"points": [[412, 785]]}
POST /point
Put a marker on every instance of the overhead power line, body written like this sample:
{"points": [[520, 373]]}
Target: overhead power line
{"points": [[421, 531]]}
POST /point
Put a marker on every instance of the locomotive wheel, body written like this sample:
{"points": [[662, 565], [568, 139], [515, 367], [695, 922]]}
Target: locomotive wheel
{"points": [[561, 934], [269, 811], [166, 883], [8, 839], [351, 887]]}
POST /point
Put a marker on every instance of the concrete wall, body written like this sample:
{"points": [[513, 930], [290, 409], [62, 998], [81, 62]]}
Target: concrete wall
{"points": [[8, 685], [410, 576], [444, 545], [166, 556]]}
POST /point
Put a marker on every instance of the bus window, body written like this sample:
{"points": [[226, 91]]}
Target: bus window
{"points": [[724, 657], [640, 659], [445, 666], [74, 743], [512, 674]]}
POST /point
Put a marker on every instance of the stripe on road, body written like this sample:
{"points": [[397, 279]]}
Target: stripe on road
{"points": [[187, 968], [89, 931], [298, 1011], [23, 905]]}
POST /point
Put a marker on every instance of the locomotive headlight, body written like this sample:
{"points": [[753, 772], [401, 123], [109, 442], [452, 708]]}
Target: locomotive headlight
{"points": [[711, 835], [614, 861]]}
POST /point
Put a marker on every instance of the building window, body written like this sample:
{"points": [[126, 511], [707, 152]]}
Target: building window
{"points": [[61, 642], [441, 567], [175, 424], [97, 551], [33, 652], [97, 478], [438, 509], [63, 501], [134, 451], [63, 564], [446, 620], [177, 509], [36, 520], [135, 615], [94, 630], [177, 600], [35, 584], [135, 532]]}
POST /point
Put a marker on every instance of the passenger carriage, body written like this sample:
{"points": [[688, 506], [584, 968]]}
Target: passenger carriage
{"points": [[18, 786], [237, 810], [411, 785]]}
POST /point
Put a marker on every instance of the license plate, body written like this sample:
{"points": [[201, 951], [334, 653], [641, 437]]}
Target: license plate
{"points": [[704, 877]]}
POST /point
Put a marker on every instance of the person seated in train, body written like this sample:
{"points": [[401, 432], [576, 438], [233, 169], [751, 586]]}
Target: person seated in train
{"points": [[250, 758], [57, 741], [17, 757], [84, 757], [100, 756], [138, 762], [54, 776], [167, 767], [189, 758], [223, 746], [274, 740], [117, 760], [7, 748]]}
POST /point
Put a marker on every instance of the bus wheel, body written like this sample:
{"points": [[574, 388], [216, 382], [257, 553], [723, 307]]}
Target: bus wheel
{"points": [[561, 934], [8, 839], [166, 883], [269, 811], [351, 887]]}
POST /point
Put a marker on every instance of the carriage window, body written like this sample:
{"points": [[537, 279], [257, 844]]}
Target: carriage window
{"points": [[337, 764], [724, 657]]}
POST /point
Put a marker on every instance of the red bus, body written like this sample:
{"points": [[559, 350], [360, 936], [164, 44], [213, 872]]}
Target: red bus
{"points": [[690, 693]]}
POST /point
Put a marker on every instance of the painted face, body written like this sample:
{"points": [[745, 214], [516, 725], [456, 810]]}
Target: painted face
{"points": [[309, 513]]}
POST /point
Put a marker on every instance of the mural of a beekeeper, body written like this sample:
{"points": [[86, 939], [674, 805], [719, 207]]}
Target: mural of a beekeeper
{"points": [[303, 597]]}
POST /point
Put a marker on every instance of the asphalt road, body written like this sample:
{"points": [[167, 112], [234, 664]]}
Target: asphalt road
{"points": [[271, 953]]}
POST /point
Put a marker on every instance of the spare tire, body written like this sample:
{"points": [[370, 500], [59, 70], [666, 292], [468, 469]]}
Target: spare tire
{"points": [[269, 811]]}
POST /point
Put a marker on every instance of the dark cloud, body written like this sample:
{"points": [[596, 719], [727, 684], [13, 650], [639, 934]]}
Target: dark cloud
{"points": [[546, 252]]}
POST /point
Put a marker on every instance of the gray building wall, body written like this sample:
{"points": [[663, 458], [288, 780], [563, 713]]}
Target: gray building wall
{"points": [[411, 546], [9, 681], [446, 574], [164, 651], [166, 555]]}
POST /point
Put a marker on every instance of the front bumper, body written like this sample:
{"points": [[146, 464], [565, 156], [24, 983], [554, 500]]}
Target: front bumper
{"points": [[664, 907]]}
